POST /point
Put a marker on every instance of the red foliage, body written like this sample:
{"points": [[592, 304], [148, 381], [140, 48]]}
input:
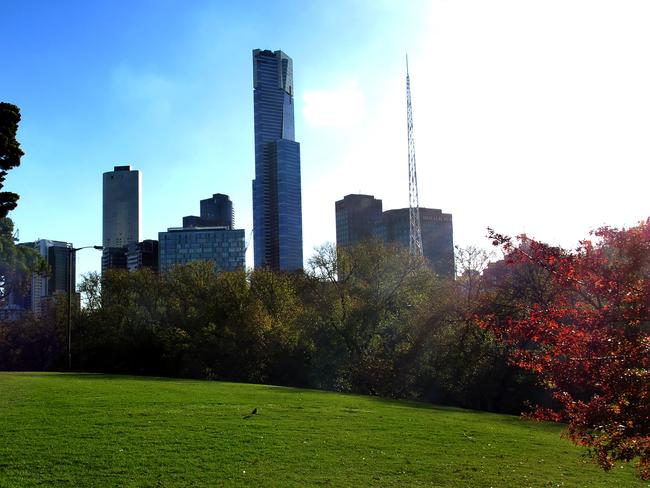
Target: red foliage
{"points": [[591, 342]]}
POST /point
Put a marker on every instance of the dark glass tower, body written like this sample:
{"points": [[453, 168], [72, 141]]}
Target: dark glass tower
{"points": [[121, 215], [277, 208], [215, 212], [357, 219], [218, 211]]}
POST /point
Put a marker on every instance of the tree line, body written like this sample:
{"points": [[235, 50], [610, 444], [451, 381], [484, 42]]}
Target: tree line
{"points": [[367, 319]]}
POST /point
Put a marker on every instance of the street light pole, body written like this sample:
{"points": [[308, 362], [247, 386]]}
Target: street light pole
{"points": [[71, 256]]}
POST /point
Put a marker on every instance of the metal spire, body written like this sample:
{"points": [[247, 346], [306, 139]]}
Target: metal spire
{"points": [[415, 232]]}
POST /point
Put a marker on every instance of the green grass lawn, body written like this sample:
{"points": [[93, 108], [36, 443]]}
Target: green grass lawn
{"points": [[95, 430]]}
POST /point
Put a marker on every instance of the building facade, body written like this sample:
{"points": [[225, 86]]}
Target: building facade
{"points": [[114, 258], [142, 255], [358, 218], [277, 202], [218, 211], [121, 213], [202, 239], [223, 247], [437, 236]]}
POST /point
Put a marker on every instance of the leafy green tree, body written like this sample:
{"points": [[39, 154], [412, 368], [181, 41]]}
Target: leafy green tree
{"points": [[366, 298], [34, 343], [90, 289], [276, 310], [125, 334], [459, 363], [192, 327]]}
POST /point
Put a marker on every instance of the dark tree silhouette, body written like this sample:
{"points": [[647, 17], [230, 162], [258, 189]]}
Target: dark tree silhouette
{"points": [[10, 153], [17, 263]]}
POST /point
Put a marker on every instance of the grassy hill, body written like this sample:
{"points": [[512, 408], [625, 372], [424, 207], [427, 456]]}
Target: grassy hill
{"points": [[95, 430]]}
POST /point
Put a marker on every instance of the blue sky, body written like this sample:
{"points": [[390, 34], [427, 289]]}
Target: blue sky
{"points": [[529, 116]]}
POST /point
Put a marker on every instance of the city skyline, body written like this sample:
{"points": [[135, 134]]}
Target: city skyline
{"points": [[523, 113]]}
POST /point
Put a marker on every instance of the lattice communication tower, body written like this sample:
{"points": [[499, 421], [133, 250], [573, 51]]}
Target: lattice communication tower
{"points": [[415, 232]]}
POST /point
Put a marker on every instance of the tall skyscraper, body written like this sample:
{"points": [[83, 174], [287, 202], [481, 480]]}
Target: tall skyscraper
{"points": [[277, 207], [357, 219], [121, 213]]}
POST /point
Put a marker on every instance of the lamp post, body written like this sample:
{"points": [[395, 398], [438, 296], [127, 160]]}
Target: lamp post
{"points": [[71, 256]]}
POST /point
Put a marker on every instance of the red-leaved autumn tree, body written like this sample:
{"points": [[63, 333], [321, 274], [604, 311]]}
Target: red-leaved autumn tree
{"points": [[591, 342]]}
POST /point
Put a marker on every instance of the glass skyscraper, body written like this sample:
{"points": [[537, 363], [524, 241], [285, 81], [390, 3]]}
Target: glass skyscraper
{"points": [[121, 207], [223, 247], [204, 239], [121, 215], [277, 208], [215, 212], [358, 218]]}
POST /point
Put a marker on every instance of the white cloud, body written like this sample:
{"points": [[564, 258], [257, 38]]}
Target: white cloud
{"points": [[342, 107]]}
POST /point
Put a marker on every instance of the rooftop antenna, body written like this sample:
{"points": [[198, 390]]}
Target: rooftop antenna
{"points": [[415, 232]]}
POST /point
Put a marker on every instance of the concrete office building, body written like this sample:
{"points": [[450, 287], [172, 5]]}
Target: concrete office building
{"points": [[358, 218], [121, 214], [41, 289], [277, 204]]}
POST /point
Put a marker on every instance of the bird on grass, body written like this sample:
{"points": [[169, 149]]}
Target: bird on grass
{"points": [[253, 412]]}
